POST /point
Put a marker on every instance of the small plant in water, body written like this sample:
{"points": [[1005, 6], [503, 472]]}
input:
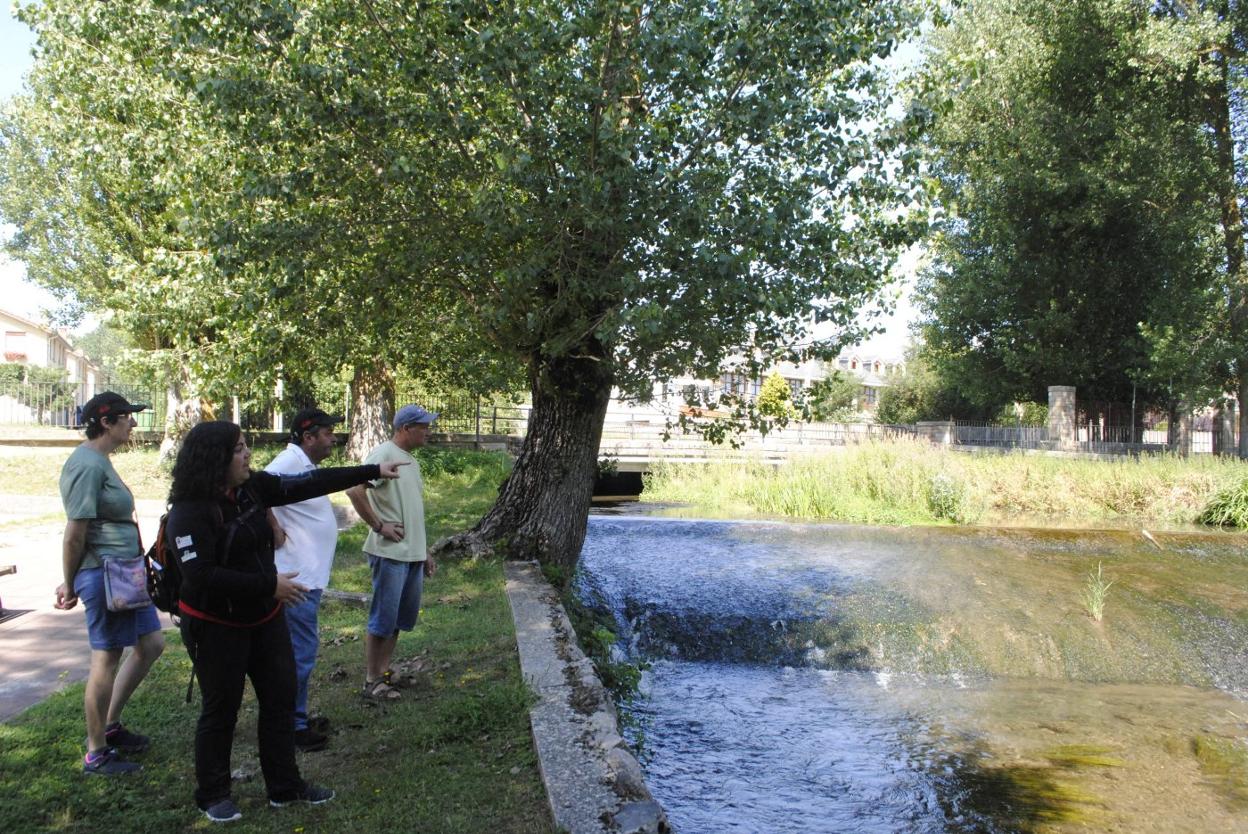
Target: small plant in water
{"points": [[1094, 592]]}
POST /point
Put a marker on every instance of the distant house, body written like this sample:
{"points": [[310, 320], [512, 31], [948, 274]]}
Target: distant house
{"points": [[29, 343], [874, 372]]}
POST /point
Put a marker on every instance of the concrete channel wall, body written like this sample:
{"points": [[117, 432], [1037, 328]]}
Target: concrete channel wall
{"points": [[593, 781]]}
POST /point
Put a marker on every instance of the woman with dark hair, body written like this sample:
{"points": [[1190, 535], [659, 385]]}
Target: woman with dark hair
{"points": [[231, 604], [100, 525]]}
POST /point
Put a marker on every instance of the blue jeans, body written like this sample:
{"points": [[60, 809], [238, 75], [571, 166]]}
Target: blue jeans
{"points": [[305, 639]]}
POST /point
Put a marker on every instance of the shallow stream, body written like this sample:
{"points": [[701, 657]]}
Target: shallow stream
{"points": [[827, 678]]}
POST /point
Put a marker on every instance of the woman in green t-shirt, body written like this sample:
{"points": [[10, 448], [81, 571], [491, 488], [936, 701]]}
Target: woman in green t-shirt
{"points": [[100, 524]]}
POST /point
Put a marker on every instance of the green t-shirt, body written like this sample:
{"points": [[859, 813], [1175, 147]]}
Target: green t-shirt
{"points": [[92, 490], [401, 500]]}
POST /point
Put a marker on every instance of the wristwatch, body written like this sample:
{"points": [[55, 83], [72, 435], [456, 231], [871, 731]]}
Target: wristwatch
{"points": [[377, 529]]}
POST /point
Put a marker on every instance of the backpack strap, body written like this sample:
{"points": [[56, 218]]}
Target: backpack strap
{"points": [[237, 522]]}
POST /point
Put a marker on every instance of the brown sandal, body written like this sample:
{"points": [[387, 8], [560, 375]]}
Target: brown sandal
{"points": [[379, 690]]}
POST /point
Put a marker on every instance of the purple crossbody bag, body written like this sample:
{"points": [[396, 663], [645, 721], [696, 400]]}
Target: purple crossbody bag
{"points": [[125, 579], [125, 583]]}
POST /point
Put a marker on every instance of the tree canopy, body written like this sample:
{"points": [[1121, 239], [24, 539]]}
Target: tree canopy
{"points": [[1080, 227]]}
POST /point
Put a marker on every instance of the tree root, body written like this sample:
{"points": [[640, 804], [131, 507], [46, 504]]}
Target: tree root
{"points": [[467, 545]]}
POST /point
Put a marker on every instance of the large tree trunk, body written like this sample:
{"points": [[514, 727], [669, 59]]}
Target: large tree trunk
{"points": [[1219, 102], [182, 413], [543, 507], [372, 408]]}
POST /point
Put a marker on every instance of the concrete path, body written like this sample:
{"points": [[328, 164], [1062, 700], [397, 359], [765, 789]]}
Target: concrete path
{"points": [[44, 649]]}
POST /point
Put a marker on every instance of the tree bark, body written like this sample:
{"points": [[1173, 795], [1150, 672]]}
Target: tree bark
{"points": [[543, 507], [182, 413], [372, 408]]}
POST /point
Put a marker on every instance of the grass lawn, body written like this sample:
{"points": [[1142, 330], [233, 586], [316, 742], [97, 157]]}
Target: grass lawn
{"points": [[455, 755]]}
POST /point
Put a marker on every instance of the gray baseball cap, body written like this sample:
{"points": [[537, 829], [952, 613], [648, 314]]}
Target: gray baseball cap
{"points": [[413, 413]]}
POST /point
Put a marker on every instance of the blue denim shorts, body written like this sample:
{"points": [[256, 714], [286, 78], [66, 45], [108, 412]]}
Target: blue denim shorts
{"points": [[111, 629], [396, 595]]}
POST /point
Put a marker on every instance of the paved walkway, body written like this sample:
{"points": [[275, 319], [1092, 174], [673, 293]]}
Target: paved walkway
{"points": [[45, 649]]}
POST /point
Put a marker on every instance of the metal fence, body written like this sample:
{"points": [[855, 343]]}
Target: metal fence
{"points": [[1089, 437], [999, 435], [59, 404]]}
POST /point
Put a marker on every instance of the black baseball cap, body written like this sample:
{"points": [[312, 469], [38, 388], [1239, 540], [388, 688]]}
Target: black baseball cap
{"points": [[108, 404], [309, 419]]}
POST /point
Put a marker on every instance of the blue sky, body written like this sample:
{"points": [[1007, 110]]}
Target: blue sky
{"points": [[16, 41]]}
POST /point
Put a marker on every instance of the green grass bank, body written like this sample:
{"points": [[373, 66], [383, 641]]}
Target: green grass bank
{"points": [[455, 755], [913, 482]]}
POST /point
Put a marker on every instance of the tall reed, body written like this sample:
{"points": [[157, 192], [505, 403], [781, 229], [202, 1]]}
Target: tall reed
{"points": [[912, 482]]}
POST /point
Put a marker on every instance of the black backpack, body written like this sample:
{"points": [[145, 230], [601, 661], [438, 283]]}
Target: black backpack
{"points": [[164, 574], [164, 586]]}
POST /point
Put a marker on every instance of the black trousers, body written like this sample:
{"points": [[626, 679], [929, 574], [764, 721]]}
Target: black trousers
{"points": [[223, 656]]}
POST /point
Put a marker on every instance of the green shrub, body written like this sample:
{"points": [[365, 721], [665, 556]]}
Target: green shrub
{"points": [[1033, 414], [1229, 508]]}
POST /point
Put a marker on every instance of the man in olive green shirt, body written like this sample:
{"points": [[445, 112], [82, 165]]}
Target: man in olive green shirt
{"points": [[396, 547]]}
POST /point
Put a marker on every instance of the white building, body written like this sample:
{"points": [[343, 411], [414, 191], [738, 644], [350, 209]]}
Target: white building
{"points": [[872, 370]]}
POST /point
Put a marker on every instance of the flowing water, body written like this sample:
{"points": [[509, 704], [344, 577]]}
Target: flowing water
{"points": [[827, 678]]}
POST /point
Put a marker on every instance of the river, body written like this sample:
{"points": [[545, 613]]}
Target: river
{"points": [[828, 678]]}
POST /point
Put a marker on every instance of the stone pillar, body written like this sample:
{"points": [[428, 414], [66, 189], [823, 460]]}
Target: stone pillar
{"points": [[1183, 435], [1224, 430], [1061, 426], [939, 432]]}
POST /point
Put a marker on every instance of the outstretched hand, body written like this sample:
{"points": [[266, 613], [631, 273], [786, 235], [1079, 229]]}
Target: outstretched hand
{"points": [[390, 469]]}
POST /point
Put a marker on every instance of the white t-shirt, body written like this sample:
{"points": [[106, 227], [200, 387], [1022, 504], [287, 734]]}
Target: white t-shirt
{"points": [[311, 529]]}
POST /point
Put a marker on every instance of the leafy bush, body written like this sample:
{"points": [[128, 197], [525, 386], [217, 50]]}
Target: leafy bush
{"points": [[1033, 414], [775, 398], [834, 398]]}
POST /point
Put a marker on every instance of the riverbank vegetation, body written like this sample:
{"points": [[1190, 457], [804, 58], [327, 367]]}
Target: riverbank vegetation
{"points": [[454, 755], [913, 482]]}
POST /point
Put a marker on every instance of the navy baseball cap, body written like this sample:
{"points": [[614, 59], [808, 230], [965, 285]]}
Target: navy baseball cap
{"points": [[413, 413], [310, 419]]}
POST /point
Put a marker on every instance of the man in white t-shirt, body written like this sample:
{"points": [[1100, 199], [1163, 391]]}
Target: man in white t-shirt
{"points": [[311, 536]]}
